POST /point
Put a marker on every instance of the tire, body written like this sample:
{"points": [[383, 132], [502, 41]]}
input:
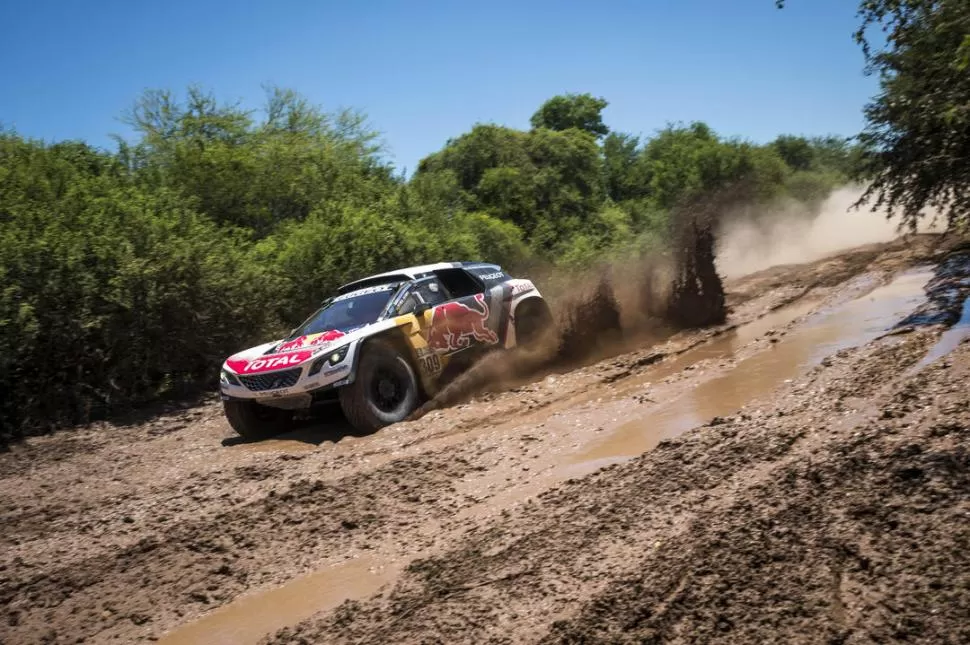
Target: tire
{"points": [[533, 321], [254, 421], [384, 392]]}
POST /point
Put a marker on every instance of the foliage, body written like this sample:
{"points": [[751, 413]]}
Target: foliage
{"points": [[253, 173], [545, 182], [917, 135], [112, 294], [580, 111], [624, 171]]}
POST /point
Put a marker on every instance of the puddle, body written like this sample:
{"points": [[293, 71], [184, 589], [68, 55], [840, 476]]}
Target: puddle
{"points": [[250, 618], [822, 334], [720, 347]]}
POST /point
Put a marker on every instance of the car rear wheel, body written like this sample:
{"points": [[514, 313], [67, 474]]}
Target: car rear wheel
{"points": [[254, 421], [384, 392]]}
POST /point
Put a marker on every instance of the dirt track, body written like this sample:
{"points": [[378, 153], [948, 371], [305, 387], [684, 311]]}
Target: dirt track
{"points": [[832, 507]]}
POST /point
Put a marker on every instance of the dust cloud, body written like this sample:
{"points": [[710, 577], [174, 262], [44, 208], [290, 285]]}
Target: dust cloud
{"points": [[789, 233]]}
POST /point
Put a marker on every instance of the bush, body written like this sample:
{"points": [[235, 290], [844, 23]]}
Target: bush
{"points": [[112, 295]]}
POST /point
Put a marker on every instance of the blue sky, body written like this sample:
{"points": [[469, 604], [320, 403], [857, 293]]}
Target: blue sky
{"points": [[426, 71]]}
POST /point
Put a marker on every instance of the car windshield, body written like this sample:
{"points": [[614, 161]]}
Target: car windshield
{"points": [[348, 311]]}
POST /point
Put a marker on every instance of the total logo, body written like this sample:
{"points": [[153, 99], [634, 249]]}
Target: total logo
{"points": [[268, 363]]}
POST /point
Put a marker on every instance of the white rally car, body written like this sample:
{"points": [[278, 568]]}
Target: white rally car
{"points": [[381, 345]]}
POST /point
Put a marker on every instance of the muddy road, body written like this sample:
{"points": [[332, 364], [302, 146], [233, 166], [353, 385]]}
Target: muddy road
{"points": [[796, 475]]}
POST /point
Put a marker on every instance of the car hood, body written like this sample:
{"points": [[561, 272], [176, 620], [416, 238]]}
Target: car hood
{"points": [[321, 339], [282, 354]]}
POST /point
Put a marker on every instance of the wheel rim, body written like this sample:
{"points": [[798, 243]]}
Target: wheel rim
{"points": [[389, 389]]}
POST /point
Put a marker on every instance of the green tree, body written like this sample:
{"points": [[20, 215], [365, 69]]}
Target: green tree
{"points": [[917, 133], [683, 162], [580, 111], [470, 155], [625, 175], [797, 152], [220, 227], [256, 174], [113, 293], [837, 155], [545, 182]]}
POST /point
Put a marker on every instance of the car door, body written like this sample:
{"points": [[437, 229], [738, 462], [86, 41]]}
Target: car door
{"points": [[420, 299], [465, 320]]}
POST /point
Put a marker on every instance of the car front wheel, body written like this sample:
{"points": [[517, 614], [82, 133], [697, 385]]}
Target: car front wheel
{"points": [[384, 392], [254, 421]]}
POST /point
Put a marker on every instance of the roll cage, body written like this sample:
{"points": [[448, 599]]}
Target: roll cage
{"points": [[443, 285]]}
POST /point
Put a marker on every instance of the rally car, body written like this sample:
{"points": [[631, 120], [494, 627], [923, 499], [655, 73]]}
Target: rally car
{"points": [[381, 345]]}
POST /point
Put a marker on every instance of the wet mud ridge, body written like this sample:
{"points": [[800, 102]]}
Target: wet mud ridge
{"points": [[946, 293], [796, 474]]}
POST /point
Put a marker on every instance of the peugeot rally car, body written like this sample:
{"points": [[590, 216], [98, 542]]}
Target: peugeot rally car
{"points": [[381, 344]]}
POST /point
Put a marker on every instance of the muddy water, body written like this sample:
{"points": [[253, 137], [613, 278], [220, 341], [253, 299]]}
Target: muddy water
{"points": [[822, 334], [250, 618], [721, 347]]}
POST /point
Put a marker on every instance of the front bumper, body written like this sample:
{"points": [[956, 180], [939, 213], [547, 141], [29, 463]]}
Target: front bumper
{"points": [[292, 387]]}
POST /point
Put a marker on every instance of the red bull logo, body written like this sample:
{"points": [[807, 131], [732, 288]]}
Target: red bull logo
{"points": [[454, 325], [311, 340]]}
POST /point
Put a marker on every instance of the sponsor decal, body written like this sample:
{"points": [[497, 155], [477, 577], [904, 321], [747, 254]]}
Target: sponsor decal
{"points": [[455, 325], [431, 364], [363, 292], [492, 276], [268, 363], [311, 340], [522, 287]]}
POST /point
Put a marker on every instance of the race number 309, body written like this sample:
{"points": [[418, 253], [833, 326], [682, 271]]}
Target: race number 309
{"points": [[431, 364]]}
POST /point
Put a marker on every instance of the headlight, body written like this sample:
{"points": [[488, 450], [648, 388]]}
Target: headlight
{"points": [[228, 378], [332, 358], [338, 356]]}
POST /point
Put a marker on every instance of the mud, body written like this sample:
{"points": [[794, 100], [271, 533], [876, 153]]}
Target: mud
{"points": [[827, 506], [946, 292], [951, 338]]}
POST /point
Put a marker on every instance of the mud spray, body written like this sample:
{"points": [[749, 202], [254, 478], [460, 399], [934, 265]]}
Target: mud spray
{"points": [[636, 303]]}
